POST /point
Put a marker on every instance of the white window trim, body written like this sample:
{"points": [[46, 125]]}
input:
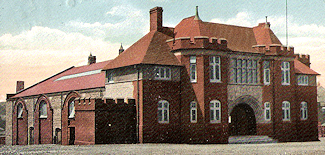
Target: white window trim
{"points": [[287, 112], [267, 108], [303, 80], [303, 109], [20, 110], [215, 109], [284, 69], [163, 109], [165, 73], [265, 72], [216, 66], [71, 115], [191, 112], [193, 63]]}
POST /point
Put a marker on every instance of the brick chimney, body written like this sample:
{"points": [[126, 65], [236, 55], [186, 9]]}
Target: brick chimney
{"points": [[156, 18], [19, 86], [91, 59]]}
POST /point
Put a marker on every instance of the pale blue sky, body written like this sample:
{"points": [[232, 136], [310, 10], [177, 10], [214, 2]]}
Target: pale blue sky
{"points": [[39, 38]]}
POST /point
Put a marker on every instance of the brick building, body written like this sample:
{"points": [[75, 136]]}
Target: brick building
{"points": [[198, 82]]}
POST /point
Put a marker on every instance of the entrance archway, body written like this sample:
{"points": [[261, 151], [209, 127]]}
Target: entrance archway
{"points": [[243, 121]]}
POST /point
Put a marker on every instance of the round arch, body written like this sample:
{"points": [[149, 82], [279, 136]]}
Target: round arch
{"points": [[43, 126], [66, 135], [20, 123]]}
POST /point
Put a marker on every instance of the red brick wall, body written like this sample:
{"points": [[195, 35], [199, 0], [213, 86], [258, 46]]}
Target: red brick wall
{"points": [[43, 127], [65, 119], [153, 92], [84, 122], [19, 126]]}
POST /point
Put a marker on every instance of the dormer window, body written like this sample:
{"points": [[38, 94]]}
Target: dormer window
{"points": [[43, 109], [162, 73]]}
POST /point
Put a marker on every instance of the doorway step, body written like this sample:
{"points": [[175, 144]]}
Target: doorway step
{"points": [[251, 139]]}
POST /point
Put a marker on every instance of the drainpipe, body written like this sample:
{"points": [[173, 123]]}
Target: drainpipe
{"points": [[273, 93], [138, 105]]}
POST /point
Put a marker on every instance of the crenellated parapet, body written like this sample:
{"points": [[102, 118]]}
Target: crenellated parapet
{"points": [[303, 58], [275, 49], [198, 42], [101, 104]]}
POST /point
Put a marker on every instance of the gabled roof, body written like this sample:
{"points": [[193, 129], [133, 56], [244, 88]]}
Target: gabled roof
{"points": [[150, 49], [239, 38], [74, 78], [301, 68]]}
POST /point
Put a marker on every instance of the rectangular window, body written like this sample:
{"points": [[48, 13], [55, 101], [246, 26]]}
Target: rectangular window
{"points": [[109, 76], [193, 112], [266, 66], [303, 80], [285, 69], [286, 111], [215, 111], [267, 111], [304, 111], [244, 71], [162, 73], [193, 75], [215, 70]]}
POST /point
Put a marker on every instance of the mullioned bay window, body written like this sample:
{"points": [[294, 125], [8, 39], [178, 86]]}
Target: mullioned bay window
{"points": [[303, 80], [162, 73], [244, 71]]}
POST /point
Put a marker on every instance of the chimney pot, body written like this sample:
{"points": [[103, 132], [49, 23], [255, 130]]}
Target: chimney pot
{"points": [[91, 59]]}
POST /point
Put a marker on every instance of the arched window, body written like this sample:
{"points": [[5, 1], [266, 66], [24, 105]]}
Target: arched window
{"points": [[43, 109], [193, 112], [71, 109], [215, 111], [267, 111], [304, 110], [20, 110], [286, 111], [163, 111]]}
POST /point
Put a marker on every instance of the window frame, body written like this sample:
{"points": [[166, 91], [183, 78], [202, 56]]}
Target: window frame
{"points": [[165, 70], [164, 112], [266, 73], [193, 69], [286, 111], [110, 76], [43, 108], [245, 71], [20, 110], [73, 110], [285, 73], [304, 110], [193, 109], [302, 80], [215, 66], [267, 108], [214, 111]]}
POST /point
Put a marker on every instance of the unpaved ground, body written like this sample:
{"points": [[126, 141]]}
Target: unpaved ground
{"points": [[270, 149]]}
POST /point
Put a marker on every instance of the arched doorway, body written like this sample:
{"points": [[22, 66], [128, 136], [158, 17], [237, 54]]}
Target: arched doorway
{"points": [[243, 121]]}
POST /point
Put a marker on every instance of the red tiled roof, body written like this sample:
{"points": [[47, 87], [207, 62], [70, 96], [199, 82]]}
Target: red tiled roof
{"points": [[301, 68], [54, 84], [238, 38], [150, 49]]}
